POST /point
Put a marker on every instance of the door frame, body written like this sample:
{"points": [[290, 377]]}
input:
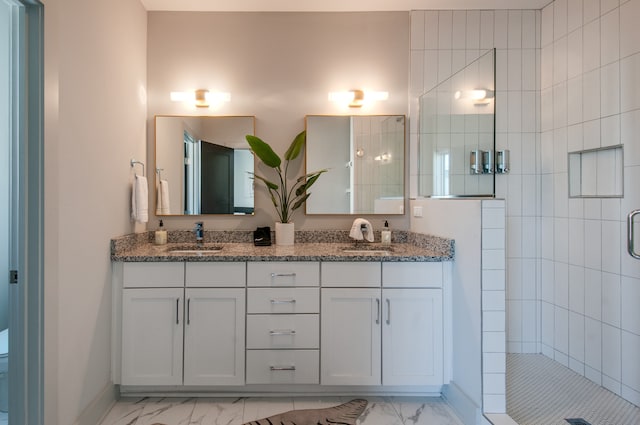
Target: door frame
{"points": [[26, 298]]}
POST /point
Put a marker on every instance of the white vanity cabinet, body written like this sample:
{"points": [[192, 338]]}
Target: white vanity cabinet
{"points": [[183, 324], [283, 332], [389, 333]]}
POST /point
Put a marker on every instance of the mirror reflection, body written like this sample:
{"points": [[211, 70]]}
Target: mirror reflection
{"points": [[203, 165], [457, 143], [365, 158]]}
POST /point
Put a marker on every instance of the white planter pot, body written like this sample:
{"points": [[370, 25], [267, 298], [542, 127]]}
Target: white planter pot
{"points": [[285, 234]]}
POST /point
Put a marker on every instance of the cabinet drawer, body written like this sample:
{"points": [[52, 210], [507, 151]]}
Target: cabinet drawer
{"points": [[283, 300], [283, 331], [412, 275], [351, 274], [153, 275], [283, 273], [216, 274], [283, 367]]}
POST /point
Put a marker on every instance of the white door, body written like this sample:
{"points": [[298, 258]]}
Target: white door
{"points": [[350, 337], [152, 332], [214, 336], [412, 337]]}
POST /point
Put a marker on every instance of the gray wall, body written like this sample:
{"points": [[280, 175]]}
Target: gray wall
{"points": [[4, 166]]}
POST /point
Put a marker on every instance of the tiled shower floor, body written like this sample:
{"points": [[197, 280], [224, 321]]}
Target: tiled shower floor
{"points": [[541, 391], [236, 411]]}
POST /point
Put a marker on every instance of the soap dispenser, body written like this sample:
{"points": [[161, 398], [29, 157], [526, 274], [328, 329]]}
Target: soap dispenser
{"points": [[386, 234], [161, 235]]}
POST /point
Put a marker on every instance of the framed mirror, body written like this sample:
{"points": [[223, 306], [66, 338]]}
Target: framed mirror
{"points": [[202, 165], [365, 158]]}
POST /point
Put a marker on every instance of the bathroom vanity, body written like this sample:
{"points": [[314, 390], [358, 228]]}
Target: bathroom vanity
{"points": [[312, 318]]}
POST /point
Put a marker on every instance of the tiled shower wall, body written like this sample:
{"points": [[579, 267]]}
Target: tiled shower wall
{"points": [[590, 98], [443, 42]]}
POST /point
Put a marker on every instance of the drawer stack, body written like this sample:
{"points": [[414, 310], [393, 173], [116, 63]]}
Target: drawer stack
{"points": [[283, 326]]}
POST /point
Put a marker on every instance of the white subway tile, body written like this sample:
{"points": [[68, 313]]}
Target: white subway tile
{"points": [[528, 29], [547, 25], [486, 29], [576, 366], [546, 110], [607, 5], [591, 95], [430, 69], [493, 342], [630, 347], [529, 69], [431, 30], [417, 30], [459, 25], [630, 300], [593, 347], [574, 15], [472, 29], [494, 403], [493, 280], [630, 83], [445, 29], [529, 201], [501, 29], [630, 128], [611, 309], [494, 383], [417, 72], [560, 116], [514, 67], [574, 53], [514, 206], [493, 218], [611, 342], [574, 134], [444, 65], [591, 46], [591, 140], [593, 294], [529, 321], [561, 331], [576, 336], [494, 363], [493, 239], [559, 19], [514, 280], [493, 301], [561, 285], [576, 289], [548, 317], [629, 28], [610, 42], [493, 259], [547, 277], [546, 70], [574, 105], [514, 30], [561, 357], [593, 209], [611, 384], [610, 89], [591, 10], [593, 374], [630, 394], [576, 241]]}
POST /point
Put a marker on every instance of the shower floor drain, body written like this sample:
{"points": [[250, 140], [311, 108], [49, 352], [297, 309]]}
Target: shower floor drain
{"points": [[577, 421]]}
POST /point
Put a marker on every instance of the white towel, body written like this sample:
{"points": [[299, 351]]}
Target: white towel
{"points": [[140, 199], [361, 229], [163, 207]]}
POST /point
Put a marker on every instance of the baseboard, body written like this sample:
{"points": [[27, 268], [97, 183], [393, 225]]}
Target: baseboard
{"points": [[99, 406], [468, 412]]}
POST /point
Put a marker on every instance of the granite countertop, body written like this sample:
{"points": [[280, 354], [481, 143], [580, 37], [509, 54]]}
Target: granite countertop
{"points": [[309, 246]]}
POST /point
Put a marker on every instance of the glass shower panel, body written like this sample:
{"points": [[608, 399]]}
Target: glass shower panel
{"points": [[457, 127]]}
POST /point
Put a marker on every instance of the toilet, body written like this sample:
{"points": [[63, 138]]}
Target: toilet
{"points": [[4, 368]]}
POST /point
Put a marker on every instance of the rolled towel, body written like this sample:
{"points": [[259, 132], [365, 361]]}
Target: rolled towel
{"points": [[140, 199], [361, 229], [163, 205]]}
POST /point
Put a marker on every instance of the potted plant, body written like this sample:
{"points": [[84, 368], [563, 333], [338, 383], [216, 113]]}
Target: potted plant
{"points": [[286, 197]]}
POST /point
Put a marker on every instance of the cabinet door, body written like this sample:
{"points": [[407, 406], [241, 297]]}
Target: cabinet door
{"points": [[412, 346], [350, 336], [152, 336], [214, 336]]}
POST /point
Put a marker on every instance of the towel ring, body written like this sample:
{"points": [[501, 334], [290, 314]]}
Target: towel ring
{"points": [[133, 164]]}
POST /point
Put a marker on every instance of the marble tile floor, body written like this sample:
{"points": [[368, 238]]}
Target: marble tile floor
{"points": [[237, 411]]}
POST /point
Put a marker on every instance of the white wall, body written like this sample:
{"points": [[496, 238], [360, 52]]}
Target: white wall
{"points": [[590, 98], [4, 166], [278, 67], [95, 112]]}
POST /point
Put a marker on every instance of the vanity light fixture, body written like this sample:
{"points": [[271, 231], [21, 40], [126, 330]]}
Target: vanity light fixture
{"points": [[357, 98], [477, 96], [201, 98]]}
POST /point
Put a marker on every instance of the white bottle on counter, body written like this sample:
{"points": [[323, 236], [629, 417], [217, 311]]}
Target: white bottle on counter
{"points": [[386, 234], [161, 235]]}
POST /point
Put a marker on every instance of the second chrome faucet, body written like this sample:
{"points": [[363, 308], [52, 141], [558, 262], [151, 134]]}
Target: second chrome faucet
{"points": [[199, 231]]}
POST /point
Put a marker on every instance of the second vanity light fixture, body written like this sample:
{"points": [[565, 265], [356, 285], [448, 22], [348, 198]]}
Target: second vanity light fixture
{"points": [[357, 98], [201, 98], [479, 97]]}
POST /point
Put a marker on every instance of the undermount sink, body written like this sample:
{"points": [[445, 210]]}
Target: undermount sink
{"points": [[194, 249], [367, 249]]}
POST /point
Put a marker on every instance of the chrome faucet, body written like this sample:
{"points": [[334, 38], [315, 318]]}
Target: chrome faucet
{"points": [[199, 231]]}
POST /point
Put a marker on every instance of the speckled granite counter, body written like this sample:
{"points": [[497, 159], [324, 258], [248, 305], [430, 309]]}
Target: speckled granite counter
{"points": [[310, 246]]}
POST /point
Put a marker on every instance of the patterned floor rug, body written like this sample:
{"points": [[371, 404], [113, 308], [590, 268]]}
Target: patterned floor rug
{"points": [[344, 414]]}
